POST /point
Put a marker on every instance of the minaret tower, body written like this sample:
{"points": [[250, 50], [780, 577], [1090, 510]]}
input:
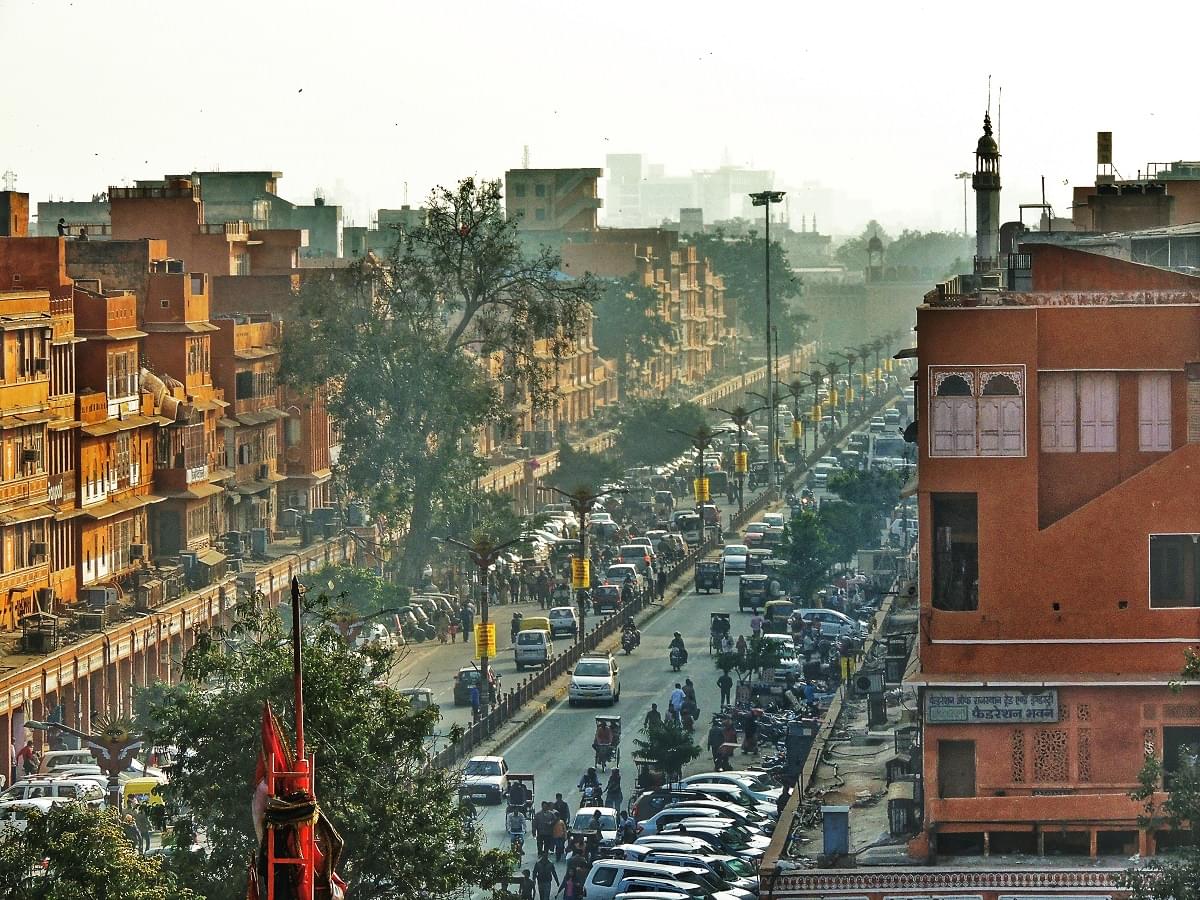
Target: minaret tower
{"points": [[986, 182]]}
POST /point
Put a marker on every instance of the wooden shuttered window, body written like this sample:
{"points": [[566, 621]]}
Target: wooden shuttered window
{"points": [[1154, 412], [1056, 399], [1097, 412]]}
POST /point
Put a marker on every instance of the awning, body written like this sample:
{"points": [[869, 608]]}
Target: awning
{"points": [[124, 505], [906, 353], [22, 419], [227, 423], [24, 320], [220, 474], [175, 327], [256, 352], [319, 477], [262, 416], [112, 426], [26, 514], [117, 334], [210, 557], [64, 424], [195, 492], [209, 404]]}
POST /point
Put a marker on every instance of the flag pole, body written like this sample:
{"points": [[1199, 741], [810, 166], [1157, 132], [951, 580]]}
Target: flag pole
{"points": [[297, 671]]}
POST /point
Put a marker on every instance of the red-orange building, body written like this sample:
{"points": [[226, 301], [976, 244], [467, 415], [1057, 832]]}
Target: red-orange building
{"points": [[1059, 570]]}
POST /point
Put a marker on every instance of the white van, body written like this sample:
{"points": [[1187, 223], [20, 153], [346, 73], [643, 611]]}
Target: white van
{"points": [[532, 648], [71, 788]]}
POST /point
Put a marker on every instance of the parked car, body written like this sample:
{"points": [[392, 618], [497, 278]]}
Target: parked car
{"points": [[564, 621], [836, 624], [68, 787], [14, 815], [484, 778], [755, 785]]}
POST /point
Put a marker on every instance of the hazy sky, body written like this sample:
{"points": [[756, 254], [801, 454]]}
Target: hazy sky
{"points": [[879, 102]]}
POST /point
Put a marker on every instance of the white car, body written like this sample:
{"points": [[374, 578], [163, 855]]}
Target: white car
{"points": [[564, 620], [582, 823], [596, 679], [14, 814], [754, 785], [836, 624], [734, 558], [484, 778], [83, 789], [774, 519]]}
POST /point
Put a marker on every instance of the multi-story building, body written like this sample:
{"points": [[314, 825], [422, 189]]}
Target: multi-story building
{"points": [[1162, 195], [245, 365], [553, 200]]}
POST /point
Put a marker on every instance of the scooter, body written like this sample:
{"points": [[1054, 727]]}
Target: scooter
{"points": [[678, 658]]}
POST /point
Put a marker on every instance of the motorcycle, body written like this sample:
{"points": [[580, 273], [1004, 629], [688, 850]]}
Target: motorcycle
{"points": [[628, 642], [678, 658], [516, 843], [592, 795]]}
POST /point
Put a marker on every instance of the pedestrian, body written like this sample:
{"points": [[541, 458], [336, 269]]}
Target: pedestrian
{"points": [[474, 695], [784, 796], [740, 648], [689, 693], [543, 872], [514, 627], [466, 618], [662, 584], [543, 588], [129, 827], [63, 230], [543, 827], [653, 719], [525, 886], [561, 807], [613, 795], [750, 734], [756, 623], [143, 824], [675, 704], [514, 588], [27, 759], [729, 742], [560, 837], [725, 683], [716, 737]]}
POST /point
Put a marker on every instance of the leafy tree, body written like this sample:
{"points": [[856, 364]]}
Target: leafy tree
{"points": [[581, 467], [647, 432], [628, 327], [842, 525], [89, 857], [760, 654], [739, 260], [1176, 875], [398, 815], [938, 251], [668, 748], [360, 592], [807, 553], [418, 351]]}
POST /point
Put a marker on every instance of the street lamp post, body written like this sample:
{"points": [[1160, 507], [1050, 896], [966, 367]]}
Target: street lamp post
{"points": [[582, 501], [766, 198], [741, 417], [702, 438], [849, 356], [795, 387], [484, 553], [963, 177]]}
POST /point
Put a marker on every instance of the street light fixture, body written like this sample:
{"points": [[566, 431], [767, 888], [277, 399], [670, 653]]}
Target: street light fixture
{"points": [[741, 417], [702, 438], [484, 552], [795, 388], [766, 198], [582, 501]]}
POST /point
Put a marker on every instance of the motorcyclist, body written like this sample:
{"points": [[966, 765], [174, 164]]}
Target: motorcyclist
{"points": [[627, 590], [677, 643], [590, 782], [630, 629]]}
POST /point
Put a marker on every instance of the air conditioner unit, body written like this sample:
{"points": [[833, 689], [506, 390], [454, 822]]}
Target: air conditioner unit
{"points": [[30, 455], [868, 681], [137, 551]]}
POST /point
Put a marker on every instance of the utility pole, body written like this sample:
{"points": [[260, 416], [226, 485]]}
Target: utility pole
{"points": [[582, 501], [795, 387], [484, 552], [766, 198], [850, 356], [702, 438], [741, 418]]}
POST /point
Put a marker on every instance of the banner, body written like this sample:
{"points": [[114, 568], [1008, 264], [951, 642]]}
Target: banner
{"points": [[887, 364], [991, 705], [849, 395], [833, 397], [581, 573], [815, 415], [700, 488], [797, 429], [485, 639], [741, 462]]}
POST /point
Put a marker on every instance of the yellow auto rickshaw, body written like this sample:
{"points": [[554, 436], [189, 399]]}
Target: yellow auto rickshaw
{"points": [[776, 614], [142, 790]]}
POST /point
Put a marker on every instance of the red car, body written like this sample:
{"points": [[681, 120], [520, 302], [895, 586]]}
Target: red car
{"points": [[606, 598]]}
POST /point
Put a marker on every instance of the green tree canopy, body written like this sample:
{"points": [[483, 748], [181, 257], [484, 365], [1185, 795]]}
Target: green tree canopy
{"points": [[668, 748], [807, 553], [852, 252], [89, 857], [627, 327], [418, 351], [739, 260], [405, 838], [581, 468], [647, 433]]}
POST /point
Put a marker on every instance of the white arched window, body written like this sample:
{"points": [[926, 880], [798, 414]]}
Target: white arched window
{"points": [[977, 411], [953, 413], [1001, 417]]}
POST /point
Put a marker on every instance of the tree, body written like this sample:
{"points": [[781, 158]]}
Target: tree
{"points": [[405, 838], [806, 552], [842, 525], [668, 748], [89, 857], [739, 260], [648, 433], [418, 351], [628, 328], [582, 467], [1174, 876]]}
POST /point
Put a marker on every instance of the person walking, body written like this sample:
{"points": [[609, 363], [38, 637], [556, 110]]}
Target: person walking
{"points": [[543, 872], [653, 719], [474, 695], [466, 618], [613, 795], [716, 737], [675, 704], [514, 627], [142, 821], [740, 648], [725, 683], [561, 807], [543, 827], [129, 827], [560, 837], [525, 886], [662, 584]]}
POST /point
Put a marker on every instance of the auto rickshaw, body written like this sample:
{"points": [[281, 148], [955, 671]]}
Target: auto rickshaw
{"points": [[759, 472], [418, 697], [755, 560], [718, 629], [526, 803], [710, 575], [752, 592], [776, 616]]}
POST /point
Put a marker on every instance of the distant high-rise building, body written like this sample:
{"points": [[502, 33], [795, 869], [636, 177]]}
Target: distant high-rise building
{"points": [[623, 189], [553, 199]]}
